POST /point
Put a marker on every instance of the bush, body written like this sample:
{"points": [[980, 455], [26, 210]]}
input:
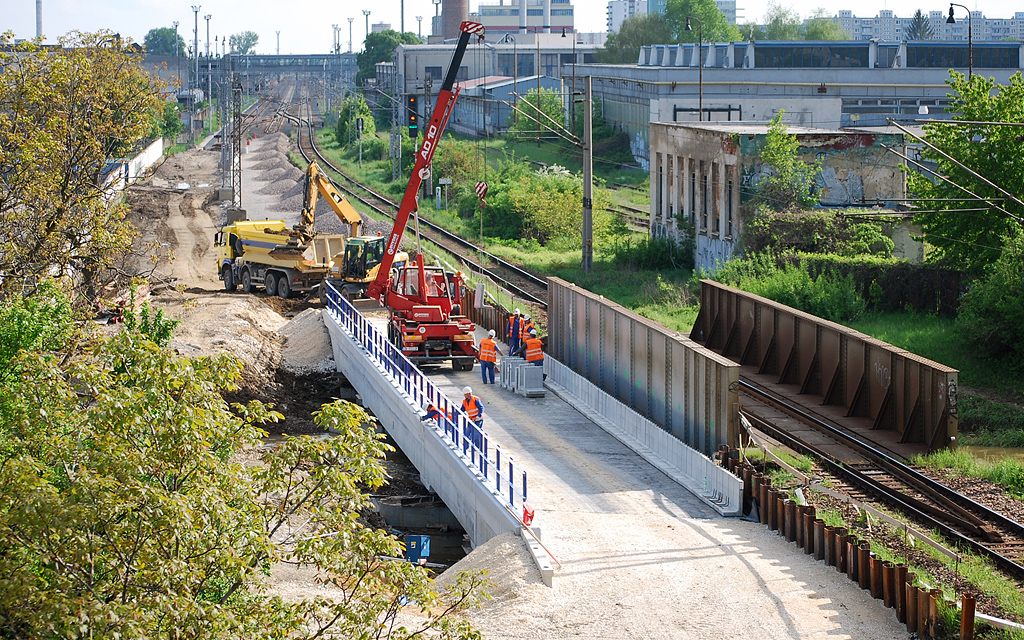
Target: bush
{"points": [[654, 254], [828, 295], [42, 321], [815, 231], [991, 316]]}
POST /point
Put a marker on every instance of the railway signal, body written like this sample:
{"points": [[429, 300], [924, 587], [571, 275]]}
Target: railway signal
{"points": [[413, 115]]}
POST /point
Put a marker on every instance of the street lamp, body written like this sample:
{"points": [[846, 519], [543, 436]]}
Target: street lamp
{"points": [[350, 21], [195, 42], [177, 55], [207, 18], [437, 12], [366, 12], [419, 26], [700, 65], [508, 37], [278, 42], [572, 103], [970, 37]]}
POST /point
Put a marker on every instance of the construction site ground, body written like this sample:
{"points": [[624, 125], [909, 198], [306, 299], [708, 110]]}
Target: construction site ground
{"points": [[641, 557]]}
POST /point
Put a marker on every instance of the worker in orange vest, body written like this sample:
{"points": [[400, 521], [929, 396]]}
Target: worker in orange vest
{"points": [[515, 332], [533, 349], [488, 355], [524, 332], [474, 408]]}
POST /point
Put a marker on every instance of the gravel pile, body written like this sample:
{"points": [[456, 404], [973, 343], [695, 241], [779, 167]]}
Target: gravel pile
{"points": [[276, 162], [279, 187], [270, 175], [307, 345]]}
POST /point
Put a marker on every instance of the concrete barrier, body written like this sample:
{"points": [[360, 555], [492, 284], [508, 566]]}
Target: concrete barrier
{"points": [[713, 484]]}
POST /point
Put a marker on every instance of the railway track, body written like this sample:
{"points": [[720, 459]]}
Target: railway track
{"points": [[516, 279], [868, 472]]}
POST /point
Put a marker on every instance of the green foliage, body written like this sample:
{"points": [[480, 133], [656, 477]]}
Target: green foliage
{"points": [[458, 160], [827, 295], [161, 42], [152, 326], [244, 43], [790, 180], [126, 511], [970, 240], [609, 145], [347, 131], [1007, 473], [815, 231], [919, 28], [167, 121], [713, 26], [623, 46], [653, 254], [780, 23], [529, 121], [784, 23], [991, 317], [983, 422], [380, 47], [41, 322], [546, 205]]}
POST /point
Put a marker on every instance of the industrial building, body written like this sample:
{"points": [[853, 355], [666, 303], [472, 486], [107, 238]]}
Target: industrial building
{"points": [[819, 84], [701, 175]]}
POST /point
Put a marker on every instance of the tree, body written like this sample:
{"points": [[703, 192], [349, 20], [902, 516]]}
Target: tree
{"points": [[354, 107], [715, 28], [781, 23], [125, 510], [991, 317], [380, 47], [63, 114], [244, 43], [964, 237], [623, 46], [167, 121], [161, 42], [789, 182], [529, 122], [919, 28], [821, 26]]}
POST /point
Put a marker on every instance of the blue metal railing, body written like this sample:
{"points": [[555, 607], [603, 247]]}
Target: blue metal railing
{"points": [[497, 470]]}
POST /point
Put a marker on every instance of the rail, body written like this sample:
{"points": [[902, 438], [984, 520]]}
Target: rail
{"points": [[493, 467]]}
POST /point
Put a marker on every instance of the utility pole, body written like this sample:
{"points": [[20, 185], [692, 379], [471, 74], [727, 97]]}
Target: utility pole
{"points": [[278, 42], [177, 56], [588, 176], [401, 18], [350, 21], [209, 77], [195, 79], [366, 14], [419, 26]]}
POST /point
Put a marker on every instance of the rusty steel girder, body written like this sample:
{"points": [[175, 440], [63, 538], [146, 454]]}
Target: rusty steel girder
{"points": [[831, 365]]}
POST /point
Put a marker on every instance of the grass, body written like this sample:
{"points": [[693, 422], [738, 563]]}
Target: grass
{"points": [[1007, 473]]}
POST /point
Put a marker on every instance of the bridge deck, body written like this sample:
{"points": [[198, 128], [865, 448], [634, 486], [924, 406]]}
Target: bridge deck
{"points": [[641, 556]]}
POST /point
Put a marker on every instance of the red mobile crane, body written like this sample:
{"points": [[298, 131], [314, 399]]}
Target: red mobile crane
{"points": [[425, 303]]}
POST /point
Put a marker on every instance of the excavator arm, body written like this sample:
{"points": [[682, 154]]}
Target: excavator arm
{"points": [[445, 101], [318, 184]]}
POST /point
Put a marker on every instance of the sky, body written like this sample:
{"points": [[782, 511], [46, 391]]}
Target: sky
{"points": [[305, 25]]}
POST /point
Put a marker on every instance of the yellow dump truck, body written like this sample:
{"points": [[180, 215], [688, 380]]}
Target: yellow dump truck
{"points": [[257, 253]]}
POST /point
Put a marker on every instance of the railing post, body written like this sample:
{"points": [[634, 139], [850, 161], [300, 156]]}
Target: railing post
{"points": [[511, 481]]}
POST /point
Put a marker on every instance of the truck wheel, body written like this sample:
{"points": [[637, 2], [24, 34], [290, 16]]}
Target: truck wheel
{"points": [[284, 288], [246, 281], [270, 283], [229, 280]]}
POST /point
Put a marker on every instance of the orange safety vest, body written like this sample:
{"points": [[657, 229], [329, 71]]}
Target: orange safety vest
{"points": [[515, 323], [488, 350], [534, 350], [473, 407], [524, 329]]}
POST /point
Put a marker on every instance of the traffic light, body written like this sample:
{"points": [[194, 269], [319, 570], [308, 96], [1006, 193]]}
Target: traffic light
{"points": [[413, 115]]}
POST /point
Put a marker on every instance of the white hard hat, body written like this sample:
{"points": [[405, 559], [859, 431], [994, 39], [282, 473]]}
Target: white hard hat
{"points": [[467, 391], [533, 332], [490, 333], [526, 317], [517, 311]]}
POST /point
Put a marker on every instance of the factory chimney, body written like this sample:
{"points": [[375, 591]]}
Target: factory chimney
{"points": [[547, 16], [453, 14], [522, 16], [39, 18]]}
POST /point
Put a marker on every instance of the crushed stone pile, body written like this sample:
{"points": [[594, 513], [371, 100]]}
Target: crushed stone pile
{"points": [[271, 175], [278, 187], [307, 345]]}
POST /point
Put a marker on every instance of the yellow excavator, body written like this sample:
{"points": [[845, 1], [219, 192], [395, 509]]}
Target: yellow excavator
{"points": [[363, 254]]}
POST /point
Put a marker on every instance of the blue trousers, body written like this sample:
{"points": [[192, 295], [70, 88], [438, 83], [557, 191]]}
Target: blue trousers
{"points": [[513, 343], [487, 371]]}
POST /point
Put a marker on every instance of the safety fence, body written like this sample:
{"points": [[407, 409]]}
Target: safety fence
{"points": [[687, 389], [695, 471], [495, 468]]}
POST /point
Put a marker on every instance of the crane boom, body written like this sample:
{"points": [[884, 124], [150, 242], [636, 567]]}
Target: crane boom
{"points": [[438, 120]]}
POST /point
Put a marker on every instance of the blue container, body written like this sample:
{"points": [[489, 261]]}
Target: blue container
{"points": [[417, 548]]}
